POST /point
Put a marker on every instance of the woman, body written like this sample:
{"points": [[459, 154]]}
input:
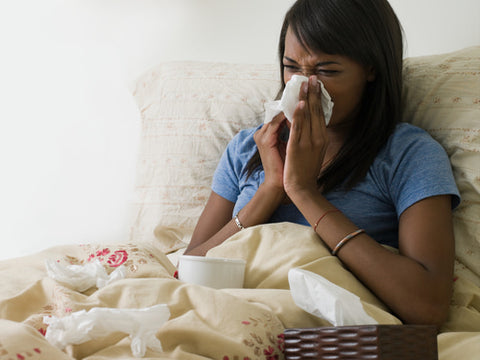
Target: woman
{"points": [[363, 181]]}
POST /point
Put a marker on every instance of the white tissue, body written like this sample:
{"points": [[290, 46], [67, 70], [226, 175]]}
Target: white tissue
{"points": [[82, 326], [320, 297], [290, 99], [83, 277]]}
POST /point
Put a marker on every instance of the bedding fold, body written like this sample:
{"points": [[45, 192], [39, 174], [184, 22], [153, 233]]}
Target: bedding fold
{"points": [[205, 323]]}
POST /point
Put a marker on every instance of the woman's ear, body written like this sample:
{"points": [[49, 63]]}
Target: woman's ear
{"points": [[371, 74]]}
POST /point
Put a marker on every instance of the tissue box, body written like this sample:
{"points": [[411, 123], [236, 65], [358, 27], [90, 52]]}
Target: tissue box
{"points": [[385, 342]]}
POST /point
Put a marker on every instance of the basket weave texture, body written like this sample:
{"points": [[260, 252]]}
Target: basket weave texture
{"points": [[385, 342]]}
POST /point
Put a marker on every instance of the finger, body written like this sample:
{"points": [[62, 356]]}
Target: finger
{"points": [[260, 131], [299, 114], [279, 118], [303, 91], [305, 95], [315, 107], [269, 133], [298, 120], [275, 125]]}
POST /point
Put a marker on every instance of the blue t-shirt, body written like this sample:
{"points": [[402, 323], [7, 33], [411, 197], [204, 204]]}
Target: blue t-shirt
{"points": [[410, 167]]}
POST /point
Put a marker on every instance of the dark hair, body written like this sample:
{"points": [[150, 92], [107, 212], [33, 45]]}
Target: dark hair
{"points": [[368, 32]]}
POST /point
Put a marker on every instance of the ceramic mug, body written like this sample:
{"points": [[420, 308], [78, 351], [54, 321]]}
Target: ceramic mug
{"points": [[218, 273]]}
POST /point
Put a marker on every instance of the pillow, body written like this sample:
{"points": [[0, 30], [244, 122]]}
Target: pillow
{"points": [[442, 95], [20, 341], [190, 111]]}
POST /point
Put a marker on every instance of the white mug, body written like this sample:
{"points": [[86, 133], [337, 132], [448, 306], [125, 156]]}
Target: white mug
{"points": [[218, 273]]}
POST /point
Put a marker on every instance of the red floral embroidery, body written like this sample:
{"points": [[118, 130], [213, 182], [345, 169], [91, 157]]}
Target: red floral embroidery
{"points": [[175, 275], [37, 350], [117, 258], [20, 357], [270, 353], [257, 343], [281, 342], [42, 331], [103, 252]]}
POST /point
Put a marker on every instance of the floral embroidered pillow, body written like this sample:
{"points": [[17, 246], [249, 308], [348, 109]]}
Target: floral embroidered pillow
{"points": [[442, 95]]}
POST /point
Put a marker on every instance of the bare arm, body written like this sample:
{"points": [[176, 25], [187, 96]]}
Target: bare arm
{"points": [[416, 283], [216, 224], [213, 227]]}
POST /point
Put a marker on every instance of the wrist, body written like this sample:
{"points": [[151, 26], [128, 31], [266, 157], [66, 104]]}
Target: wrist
{"points": [[301, 193], [261, 207], [273, 190]]}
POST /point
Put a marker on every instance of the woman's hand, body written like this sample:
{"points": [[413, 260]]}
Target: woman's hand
{"points": [[308, 141], [272, 151]]}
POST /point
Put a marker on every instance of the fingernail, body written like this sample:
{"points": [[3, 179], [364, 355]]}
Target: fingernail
{"points": [[305, 87]]}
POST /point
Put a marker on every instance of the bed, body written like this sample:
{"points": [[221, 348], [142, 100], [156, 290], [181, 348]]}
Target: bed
{"points": [[190, 110]]}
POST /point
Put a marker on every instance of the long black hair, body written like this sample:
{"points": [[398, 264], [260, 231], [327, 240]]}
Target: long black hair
{"points": [[368, 32]]}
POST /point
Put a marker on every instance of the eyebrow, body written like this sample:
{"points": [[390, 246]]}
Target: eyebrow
{"points": [[321, 63]]}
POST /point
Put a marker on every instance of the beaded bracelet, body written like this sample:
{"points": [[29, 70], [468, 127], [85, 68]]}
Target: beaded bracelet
{"points": [[345, 240]]}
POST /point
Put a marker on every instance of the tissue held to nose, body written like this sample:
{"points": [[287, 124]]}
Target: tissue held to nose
{"points": [[290, 99]]}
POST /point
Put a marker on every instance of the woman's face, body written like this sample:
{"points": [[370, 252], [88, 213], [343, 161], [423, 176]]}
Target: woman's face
{"points": [[344, 79]]}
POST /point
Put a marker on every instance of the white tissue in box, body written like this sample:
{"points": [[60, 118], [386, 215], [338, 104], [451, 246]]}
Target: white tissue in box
{"points": [[290, 99], [320, 297]]}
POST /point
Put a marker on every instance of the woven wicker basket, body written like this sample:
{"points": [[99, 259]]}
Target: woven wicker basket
{"points": [[385, 342]]}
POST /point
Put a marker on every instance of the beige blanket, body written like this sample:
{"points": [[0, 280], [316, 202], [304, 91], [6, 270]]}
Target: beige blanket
{"points": [[205, 323]]}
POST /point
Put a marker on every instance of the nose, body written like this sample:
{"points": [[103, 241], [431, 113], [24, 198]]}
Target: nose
{"points": [[307, 73]]}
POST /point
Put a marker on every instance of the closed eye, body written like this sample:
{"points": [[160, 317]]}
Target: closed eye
{"points": [[292, 68], [326, 72], [321, 72]]}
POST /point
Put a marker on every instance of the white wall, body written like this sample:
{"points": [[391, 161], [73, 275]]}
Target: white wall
{"points": [[68, 126], [437, 26]]}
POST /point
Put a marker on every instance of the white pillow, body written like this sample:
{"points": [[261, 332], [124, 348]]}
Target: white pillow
{"points": [[190, 111], [442, 95]]}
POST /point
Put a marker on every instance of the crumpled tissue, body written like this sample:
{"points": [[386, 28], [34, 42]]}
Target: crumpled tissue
{"points": [[82, 326], [83, 277], [290, 99], [320, 297]]}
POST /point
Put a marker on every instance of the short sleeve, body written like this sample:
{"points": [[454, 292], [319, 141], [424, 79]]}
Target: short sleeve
{"points": [[231, 168], [420, 169]]}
